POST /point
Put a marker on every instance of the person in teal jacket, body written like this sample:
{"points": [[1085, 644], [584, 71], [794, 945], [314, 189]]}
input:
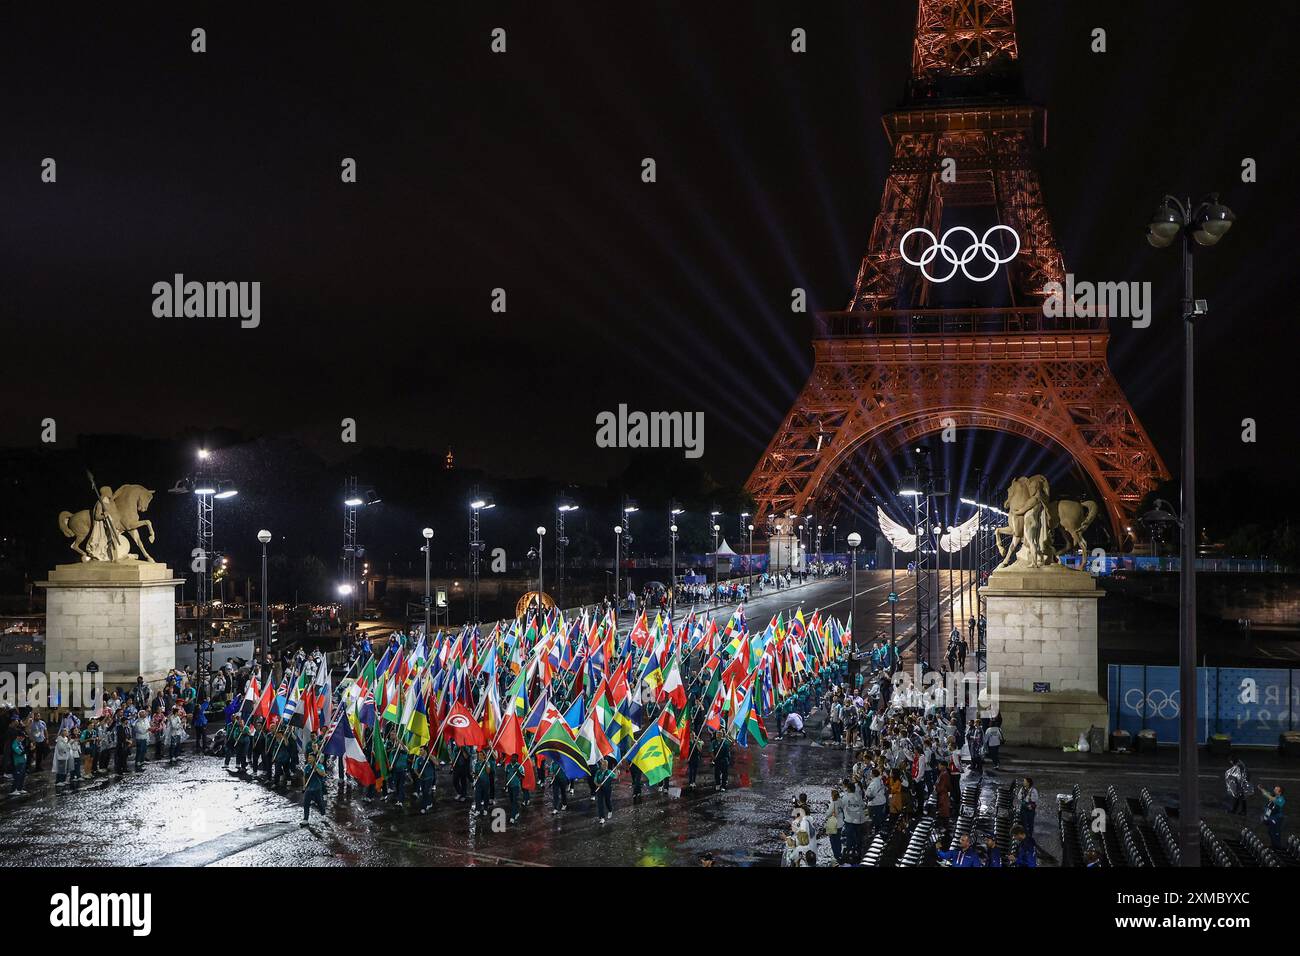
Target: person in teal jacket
{"points": [[514, 785], [428, 782], [401, 762], [18, 752], [314, 791]]}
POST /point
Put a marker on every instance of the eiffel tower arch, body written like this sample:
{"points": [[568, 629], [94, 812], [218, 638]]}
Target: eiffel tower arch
{"points": [[912, 354]]}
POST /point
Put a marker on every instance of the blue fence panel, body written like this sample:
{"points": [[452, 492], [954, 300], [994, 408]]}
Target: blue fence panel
{"points": [[1252, 704]]}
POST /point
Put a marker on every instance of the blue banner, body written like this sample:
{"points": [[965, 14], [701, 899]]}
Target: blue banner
{"points": [[1253, 705]]}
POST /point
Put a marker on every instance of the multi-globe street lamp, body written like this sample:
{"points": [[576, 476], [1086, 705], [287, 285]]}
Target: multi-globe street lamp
{"points": [[1201, 225]]}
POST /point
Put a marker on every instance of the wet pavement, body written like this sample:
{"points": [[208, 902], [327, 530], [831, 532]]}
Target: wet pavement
{"points": [[195, 813]]}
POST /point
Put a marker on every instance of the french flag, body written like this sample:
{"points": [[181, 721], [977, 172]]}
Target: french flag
{"points": [[343, 745]]}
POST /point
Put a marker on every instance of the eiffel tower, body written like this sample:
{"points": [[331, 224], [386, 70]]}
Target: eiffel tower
{"points": [[913, 352]]}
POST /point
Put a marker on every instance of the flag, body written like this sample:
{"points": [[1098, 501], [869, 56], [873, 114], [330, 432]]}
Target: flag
{"points": [[592, 740], [343, 745], [511, 739], [463, 729], [673, 688], [251, 696], [558, 744], [754, 729], [650, 756], [418, 728]]}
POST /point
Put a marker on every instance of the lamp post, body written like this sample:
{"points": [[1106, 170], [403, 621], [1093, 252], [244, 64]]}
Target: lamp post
{"points": [[1205, 225], [541, 561], [716, 529], [478, 503], [673, 511], [428, 546], [749, 566], [264, 536], [562, 507], [854, 539], [618, 545], [629, 508]]}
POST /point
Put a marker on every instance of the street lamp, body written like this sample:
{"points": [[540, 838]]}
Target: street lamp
{"points": [[562, 508], [428, 546], [477, 503], [618, 546], [854, 539], [1203, 225], [672, 580], [541, 561], [749, 566], [264, 536], [716, 529]]}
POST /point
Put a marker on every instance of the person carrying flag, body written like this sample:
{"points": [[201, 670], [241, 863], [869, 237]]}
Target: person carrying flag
{"points": [[559, 790], [398, 769], [428, 782], [721, 760], [314, 791], [482, 782], [514, 785], [460, 768], [604, 779]]}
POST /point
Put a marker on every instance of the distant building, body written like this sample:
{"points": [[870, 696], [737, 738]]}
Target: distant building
{"points": [[450, 460]]}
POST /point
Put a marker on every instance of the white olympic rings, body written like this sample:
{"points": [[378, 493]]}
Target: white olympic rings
{"points": [[1143, 704], [940, 247]]}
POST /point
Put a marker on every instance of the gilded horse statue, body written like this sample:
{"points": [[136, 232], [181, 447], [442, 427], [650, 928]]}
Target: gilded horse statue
{"points": [[122, 513]]}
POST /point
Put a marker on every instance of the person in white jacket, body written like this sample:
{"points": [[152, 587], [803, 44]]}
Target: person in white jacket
{"points": [[62, 759], [173, 735]]}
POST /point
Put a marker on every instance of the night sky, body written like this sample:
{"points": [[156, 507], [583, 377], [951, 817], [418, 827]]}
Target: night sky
{"points": [[522, 171]]}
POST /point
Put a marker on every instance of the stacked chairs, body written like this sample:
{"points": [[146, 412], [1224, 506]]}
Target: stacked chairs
{"points": [[966, 816], [1213, 851], [1165, 834], [874, 850], [1293, 850], [1260, 854], [1131, 843], [918, 845], [1002, 817], [1083, 827]]}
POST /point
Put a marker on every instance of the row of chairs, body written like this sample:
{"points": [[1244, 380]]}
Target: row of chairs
{"points": [[918, 849], [1213, 850], [1260, 854], [1130, 840], [1164, 831], [1083, 817]]}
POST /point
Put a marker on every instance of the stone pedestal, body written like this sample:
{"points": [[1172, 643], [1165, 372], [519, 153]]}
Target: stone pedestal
{"points": [[784, 553], [121, 615], [1042, 632]]}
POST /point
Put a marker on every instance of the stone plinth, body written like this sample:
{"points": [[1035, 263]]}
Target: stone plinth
{"points": [[121, 615], [1042, 629]]}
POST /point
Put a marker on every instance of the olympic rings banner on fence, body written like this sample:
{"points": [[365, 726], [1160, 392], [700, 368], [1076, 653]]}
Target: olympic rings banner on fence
{"points": [[1251, 704]]}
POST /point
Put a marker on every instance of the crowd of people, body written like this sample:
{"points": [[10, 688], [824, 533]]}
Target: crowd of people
{"points": [[908, 753], [110, 738]]}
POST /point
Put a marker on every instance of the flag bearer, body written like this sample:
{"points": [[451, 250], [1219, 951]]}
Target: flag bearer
{"points": [[428, 783], [604, 780], [514, 785], [314, 791]]}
